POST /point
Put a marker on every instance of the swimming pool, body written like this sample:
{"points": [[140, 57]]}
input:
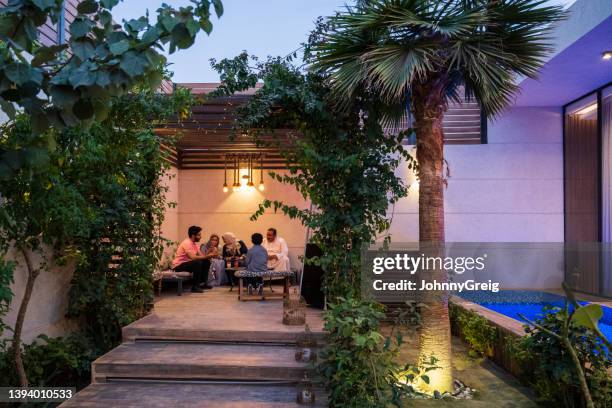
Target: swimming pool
{"points": [[529, 304]]}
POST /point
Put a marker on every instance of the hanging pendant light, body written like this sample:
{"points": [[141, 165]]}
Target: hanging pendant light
{"points": [[261, 182], [236, 184], [225, 189], [250, 183]]}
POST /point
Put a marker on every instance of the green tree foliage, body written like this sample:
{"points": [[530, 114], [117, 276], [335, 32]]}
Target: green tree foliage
{"points": [[123, 164], [72, 84], [549, 352], [98, 203], [344, 164]]}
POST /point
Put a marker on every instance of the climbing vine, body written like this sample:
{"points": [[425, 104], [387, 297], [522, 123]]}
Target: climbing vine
{"points": [[99, 204], [344, 163]]}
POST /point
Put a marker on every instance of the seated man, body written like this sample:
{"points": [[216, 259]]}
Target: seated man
{"points": [[278, 252], [256, 261], [189, 258]]}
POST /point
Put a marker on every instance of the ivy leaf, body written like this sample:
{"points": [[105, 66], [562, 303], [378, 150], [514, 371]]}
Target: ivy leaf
{"points": [[80, 27], [206, 26], [109, 4], [218, 7], [133, 64], [43, 5], [82, 77], [588, 316], [87, 7], [83, 49], [120, 47], [63, 95], [20, 73], [46, 54], [8, 108]]}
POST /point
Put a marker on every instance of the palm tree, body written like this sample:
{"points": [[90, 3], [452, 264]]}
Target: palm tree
{"points": [[421, 53]]}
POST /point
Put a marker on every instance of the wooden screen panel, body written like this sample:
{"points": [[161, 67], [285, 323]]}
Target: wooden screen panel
{"points": [[581, 161]]}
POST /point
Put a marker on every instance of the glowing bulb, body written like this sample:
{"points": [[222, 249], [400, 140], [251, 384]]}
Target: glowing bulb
{"points": [[225, 189], [261, 187], [607, 55]]}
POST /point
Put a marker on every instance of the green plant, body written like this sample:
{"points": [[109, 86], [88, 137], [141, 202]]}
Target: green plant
{"points": [[360, 363], [62, 93], [7, 268], [344, 163], [50, 362], [475, 330], [419, 53], [99, 199], [570, 361], [72, 84]]}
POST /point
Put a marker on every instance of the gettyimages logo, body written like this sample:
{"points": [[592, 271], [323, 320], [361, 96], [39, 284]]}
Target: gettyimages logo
{"points": [[411, 264]]}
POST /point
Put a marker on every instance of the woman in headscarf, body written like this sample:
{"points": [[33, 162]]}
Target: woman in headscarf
{"points": [[216, 275], [233, 248]]}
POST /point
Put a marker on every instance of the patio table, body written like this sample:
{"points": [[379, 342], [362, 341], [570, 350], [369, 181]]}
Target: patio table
{"points": [[268, 274], [231, 274]]}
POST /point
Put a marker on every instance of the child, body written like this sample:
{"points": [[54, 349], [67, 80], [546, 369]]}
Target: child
{"points": [[256, 261]]}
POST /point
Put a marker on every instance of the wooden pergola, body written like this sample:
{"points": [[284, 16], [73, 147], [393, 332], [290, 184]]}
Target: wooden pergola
{"points": [[208, 138]]}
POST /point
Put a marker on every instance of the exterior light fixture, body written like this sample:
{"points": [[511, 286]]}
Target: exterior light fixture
{"points": [[250, 174], [261, 182], [236, 185], [225, 189], [606, 55]]}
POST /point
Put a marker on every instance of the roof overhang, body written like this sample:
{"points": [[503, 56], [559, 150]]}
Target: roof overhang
{"points": [[576, 67]]}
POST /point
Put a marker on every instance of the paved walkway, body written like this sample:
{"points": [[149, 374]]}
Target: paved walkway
{"points": [[205, 350]]}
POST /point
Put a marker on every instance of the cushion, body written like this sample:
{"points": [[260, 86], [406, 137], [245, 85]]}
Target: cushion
{"points": [[267, 274], [170, 274]]}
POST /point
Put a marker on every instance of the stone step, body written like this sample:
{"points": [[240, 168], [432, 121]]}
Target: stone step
{"points": [[199, 361], [139, 333], [164, 395]]}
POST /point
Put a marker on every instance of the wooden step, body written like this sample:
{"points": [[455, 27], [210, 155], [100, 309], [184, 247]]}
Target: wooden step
{"points": [[199, 361], [164, 395]]}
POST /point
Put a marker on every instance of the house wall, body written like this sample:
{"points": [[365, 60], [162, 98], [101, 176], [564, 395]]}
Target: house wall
{"points": [[203, 203], [170, 226], [508, 190], [47, 308]]}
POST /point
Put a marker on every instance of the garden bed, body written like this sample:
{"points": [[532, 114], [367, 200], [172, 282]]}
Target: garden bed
{"points": [[506, 328]]}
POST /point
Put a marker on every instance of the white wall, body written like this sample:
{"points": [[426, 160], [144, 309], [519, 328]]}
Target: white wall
{"points": [[170, 226], [509, 190], [47, 308], [203, 203]]}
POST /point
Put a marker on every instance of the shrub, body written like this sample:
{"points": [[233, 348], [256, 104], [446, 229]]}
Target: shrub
{"points": [[551, 371], [50, 362], [357, 368], [475, 330]]}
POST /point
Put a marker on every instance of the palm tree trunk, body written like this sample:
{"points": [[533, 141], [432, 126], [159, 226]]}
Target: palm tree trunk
{"points": [[429, 106], [23, 307]]}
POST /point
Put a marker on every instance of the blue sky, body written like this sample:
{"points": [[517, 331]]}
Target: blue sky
{"points": [[262, 27]]}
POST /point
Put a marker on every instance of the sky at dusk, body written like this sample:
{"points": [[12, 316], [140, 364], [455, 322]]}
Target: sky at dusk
{"points": [[262, 27]]}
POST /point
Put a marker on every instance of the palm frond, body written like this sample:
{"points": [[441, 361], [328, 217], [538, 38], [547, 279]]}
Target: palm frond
{"points": [[389, 46]]}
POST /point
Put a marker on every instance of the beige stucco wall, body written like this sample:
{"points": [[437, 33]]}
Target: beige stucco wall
{"points": [[202, 202], [170, 226], [47, 308]]}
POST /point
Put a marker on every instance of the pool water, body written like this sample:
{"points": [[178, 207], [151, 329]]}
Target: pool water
{"points": [[529, 304]]}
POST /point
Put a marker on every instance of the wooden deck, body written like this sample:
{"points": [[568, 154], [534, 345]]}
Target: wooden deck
{"points": [[217, 315], [205, 350]]}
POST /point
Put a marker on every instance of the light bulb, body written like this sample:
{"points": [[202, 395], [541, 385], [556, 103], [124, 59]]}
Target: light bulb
{"points": [[225, 189], [261, 187]]}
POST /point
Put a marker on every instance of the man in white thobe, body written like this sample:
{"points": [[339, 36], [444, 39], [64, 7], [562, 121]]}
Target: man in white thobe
{"points": [[278, 252]]}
